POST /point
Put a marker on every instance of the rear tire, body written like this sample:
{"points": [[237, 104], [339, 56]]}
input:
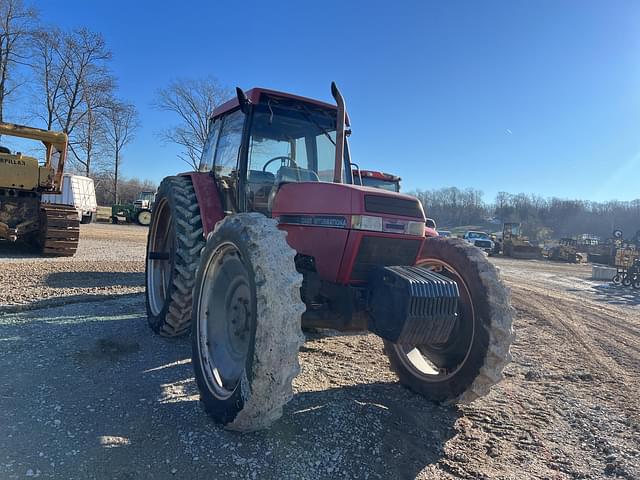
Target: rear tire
{"points": [[246, 322], [471, 361], [636, 283], [626, 280], [617, 279], [173, 250]]}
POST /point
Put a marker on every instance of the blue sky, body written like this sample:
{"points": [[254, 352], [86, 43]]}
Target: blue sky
{"points": [[521, 96]]}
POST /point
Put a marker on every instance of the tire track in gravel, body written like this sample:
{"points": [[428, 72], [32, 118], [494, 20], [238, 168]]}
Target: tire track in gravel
{"points": [[581, 320]]}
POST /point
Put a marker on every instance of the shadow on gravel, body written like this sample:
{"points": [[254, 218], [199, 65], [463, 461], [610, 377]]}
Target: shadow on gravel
{"points": [[94, 279], [102, 392], [406, 432], [52, 302], [617, 294], [17, 250]]}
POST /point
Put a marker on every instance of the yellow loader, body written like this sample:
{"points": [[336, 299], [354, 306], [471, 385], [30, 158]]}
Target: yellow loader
{"points": [[53, 229]]}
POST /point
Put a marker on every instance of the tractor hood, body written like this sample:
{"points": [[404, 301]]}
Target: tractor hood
{"points": [[345, 229], [342, 205]]}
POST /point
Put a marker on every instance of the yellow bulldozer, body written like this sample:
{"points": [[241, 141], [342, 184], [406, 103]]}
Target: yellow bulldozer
{"points": [[515, 245], [53, 229]]}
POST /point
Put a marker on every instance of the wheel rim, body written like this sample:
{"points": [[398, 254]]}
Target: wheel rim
{"points": [[436, 363], [144, 218], [225, 320], [161, 248]]}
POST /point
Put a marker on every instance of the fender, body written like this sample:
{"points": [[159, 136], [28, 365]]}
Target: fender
{"points": [[208, 197]]}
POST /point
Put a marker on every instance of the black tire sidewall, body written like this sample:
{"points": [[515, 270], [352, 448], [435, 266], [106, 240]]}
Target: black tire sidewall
{"points": [[157, 321], [223, 410]]}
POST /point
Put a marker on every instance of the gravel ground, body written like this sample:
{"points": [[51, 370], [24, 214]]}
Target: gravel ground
{"points": [[109, 261], [86, 391]]}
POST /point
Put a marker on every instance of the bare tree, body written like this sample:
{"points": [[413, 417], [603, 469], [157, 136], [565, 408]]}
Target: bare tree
{"points": [[77, 85], [50, 70], [17, 23], [121, 123], [193, 101]]}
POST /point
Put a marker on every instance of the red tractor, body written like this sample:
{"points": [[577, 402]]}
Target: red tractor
{"points": [[271, 235]]}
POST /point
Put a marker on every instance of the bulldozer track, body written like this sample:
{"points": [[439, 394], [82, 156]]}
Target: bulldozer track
{"points": [[60, 230]]}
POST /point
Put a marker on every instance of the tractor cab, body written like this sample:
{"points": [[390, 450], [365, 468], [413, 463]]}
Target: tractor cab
{"points": [[274, 139], [19, 172], [145, 200]]}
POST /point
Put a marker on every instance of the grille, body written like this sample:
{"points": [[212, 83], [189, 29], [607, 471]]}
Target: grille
{"points": [[384, 252], [393, 206], [483, 243]]}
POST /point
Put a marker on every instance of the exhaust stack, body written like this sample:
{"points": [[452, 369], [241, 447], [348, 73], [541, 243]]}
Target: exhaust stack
{"points": [[340, 128]]}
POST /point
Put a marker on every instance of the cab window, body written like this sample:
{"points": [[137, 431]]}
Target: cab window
{"points": [[226, 155], [206, 161]]}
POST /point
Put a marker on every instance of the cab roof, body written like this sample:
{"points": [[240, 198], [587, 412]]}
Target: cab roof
{"points": [[378, 175], [256, 93]]}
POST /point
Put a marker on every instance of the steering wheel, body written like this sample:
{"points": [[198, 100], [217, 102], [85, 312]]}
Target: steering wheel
{"points": [[282, 158]]}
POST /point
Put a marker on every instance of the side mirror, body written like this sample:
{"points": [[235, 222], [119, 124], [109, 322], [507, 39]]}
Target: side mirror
{"points": [[430, 223], [243, 101]]}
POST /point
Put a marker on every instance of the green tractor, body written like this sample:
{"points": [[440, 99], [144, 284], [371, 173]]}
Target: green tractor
{"points": [[137, 212]]}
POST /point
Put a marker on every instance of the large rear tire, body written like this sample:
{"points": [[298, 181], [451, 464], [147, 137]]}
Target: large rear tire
{"points": [[173, 250], [246, 322], [471, 361]]}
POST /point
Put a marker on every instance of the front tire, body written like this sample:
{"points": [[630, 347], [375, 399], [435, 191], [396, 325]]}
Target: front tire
{"points": [[471, 361], [246, 322], [143, 217], [174, 243]]}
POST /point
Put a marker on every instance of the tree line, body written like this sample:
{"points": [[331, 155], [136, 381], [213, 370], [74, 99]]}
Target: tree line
{"points": [[541, 218], [62, 80]]}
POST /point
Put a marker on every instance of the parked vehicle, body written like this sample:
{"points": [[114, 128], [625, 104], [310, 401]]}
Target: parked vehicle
{"points": [[567, 250], [24, 216], [516, 245], [137, 212], [479, 239], [79, 192]]}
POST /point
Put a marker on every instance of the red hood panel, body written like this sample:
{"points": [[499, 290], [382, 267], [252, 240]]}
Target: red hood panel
{"points": [[323, 198]]}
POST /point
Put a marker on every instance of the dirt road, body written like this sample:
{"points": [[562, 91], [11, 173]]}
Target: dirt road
{"points": [[86, 391]]}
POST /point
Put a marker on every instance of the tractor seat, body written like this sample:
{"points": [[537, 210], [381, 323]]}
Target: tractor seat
{"points": [[260, 177], [291, 174], [259, 186]]}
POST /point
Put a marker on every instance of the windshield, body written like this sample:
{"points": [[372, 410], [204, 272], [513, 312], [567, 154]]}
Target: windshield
{"points": [[478, 235], [378, 183], [292, 141]]}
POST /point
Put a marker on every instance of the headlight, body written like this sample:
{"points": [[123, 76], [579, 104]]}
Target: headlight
{"points": [[415, 228], [366, 222]]}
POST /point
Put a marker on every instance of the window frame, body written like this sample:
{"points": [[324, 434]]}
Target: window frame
{"points": [[219, 123]]}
